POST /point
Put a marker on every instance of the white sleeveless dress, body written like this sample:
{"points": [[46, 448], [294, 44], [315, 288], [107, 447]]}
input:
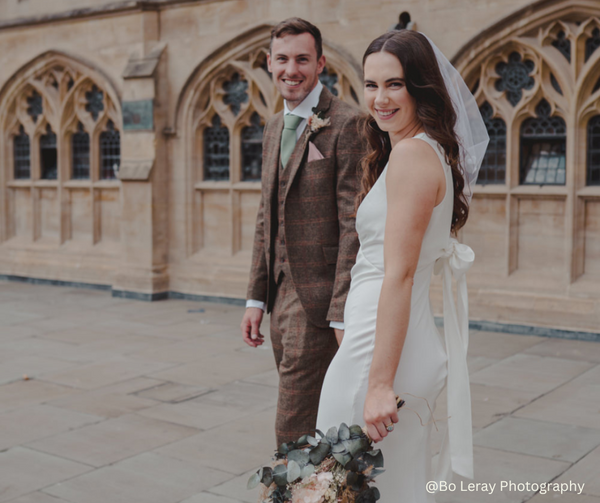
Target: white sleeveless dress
{"points": [[428, 360]]}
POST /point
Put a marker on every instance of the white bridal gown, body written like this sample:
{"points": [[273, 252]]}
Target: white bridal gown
{"points": [[428, 360]]}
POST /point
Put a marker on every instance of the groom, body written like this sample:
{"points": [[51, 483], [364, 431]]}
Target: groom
{"points": [[305, 242]]}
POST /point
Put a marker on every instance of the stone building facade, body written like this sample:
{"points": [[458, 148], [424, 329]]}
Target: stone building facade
{"points": [[130, 141]]}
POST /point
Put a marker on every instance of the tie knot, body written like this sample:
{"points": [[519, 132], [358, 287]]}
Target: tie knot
{"points": [[291, 121]]}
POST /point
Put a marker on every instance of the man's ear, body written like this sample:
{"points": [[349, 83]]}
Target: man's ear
{"points": [[321, 64], [269, 62]]}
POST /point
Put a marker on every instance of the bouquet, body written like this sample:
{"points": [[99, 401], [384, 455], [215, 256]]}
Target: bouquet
{"points": [[336, 468]]}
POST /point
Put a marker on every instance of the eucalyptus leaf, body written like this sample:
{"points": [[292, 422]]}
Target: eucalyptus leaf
{"points": [[351, 478], [319, 432], [344, 432], [312, 441], [342, 459], [358, 445], [376, 458], [283, 448], [338, 448], [319, 453], [253, 481], [332, 435], [267, 476], [307, 471], [293, 471], [356, 430], [299, 456], [280, 475], [302, 441]]}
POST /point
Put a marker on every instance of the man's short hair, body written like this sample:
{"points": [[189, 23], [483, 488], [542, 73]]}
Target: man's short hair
{"points": [[297, 26]]}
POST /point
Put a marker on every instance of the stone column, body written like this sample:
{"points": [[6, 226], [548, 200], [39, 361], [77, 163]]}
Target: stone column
{"points": [[142, 271]]}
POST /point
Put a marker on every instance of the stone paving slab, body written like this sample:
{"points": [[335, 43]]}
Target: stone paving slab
{"points": [[162, 402]]}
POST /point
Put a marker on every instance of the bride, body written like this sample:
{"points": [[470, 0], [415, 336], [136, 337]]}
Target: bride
{"points": [[427, 141]]}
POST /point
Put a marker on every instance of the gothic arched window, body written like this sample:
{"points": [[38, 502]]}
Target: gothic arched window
{"points": [[493, 168], [252, 149], [593, 151], [22, 155], [216, 151], [110, 152], [80, 154], [48, 155], [543, 148]]}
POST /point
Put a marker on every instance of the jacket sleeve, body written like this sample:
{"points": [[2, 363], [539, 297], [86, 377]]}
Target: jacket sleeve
{"points": [[259, 273], [349, 151]]}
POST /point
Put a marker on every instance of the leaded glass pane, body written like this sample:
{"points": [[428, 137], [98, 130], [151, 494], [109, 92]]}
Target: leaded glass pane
{"points": [[563, 44], [236, 93], [252, 149], [80, 154], [555, 84], [35, 105], [110, 152], [543, 148], [592, 43], [94, 102], [514, 77], [493, 168], [329, 80], [216, 151], [22, 155], [593, 151], [48, 156]]}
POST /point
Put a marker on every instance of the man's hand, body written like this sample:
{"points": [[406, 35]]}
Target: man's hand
{"points": [[251, 326], [339, 335]]}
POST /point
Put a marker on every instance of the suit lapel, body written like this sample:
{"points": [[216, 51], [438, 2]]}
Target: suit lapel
{"points": [[296, 160]]}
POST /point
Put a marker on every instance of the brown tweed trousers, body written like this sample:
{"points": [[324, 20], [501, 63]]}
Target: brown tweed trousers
{"points": [[310, 211]]}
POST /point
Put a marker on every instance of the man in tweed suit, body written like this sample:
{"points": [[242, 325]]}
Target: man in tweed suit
{"points": [[305, 243]]}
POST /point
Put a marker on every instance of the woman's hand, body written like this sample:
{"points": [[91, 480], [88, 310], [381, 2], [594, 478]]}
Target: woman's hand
{"points": [[380, 411]]}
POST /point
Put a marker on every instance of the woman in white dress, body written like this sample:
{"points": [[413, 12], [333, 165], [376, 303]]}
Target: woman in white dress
{"points": [[425, 151]]}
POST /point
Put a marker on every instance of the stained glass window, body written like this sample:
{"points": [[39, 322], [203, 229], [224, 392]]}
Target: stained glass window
{"points": [[493, 168], [80, 154], [593, 151], [216, 151], [110, 152], [22, 155], [252, 149], [48, 156], [543, 148], [563, 44], [236, 93], [592, 43], [514, 77], [34, 106], [94, 102]]}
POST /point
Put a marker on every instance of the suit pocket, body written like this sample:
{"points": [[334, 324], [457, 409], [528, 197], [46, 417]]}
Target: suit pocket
{"points": [[331, 254]]}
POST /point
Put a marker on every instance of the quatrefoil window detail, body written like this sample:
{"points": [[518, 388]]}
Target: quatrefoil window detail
{"points": [[34, 106], [95, 103], [236, 93], [563, 44], [514, 77]]}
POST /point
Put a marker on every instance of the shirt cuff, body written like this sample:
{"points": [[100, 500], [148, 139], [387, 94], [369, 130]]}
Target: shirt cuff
{"points": [[256, 303], [337, 324]]}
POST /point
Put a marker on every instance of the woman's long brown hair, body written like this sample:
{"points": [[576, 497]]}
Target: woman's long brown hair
{"points": [[434, 110]]}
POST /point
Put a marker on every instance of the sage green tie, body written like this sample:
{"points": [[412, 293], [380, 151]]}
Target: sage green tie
{"points": [[288, 137]]}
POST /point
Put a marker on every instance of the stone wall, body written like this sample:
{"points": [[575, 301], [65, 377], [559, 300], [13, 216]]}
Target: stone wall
{"points": [[165, 227]]}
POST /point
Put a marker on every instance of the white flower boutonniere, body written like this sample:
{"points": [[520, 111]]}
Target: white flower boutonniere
{"points": [[317, 121]]}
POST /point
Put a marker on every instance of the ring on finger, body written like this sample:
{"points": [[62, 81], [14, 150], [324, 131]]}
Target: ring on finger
{"points": [[389, 427]]}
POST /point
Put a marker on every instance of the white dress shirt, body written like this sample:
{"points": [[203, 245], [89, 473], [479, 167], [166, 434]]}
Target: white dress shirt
{"points": [[304, 110]]}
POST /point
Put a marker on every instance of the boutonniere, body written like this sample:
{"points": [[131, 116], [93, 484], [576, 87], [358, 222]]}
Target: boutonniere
{"points": [[317, 121]]}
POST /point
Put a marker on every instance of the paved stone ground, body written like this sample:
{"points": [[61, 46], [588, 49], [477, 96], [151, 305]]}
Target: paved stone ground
{"points": [[131, 402]]}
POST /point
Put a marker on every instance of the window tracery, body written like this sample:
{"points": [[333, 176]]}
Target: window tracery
{"points": [[493, 168], [593, 151], [22, 155]]}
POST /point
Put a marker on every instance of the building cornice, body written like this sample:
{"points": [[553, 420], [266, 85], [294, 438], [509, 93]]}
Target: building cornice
{"points": [[123, 6]]}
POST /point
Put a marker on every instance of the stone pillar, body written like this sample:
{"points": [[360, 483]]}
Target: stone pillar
{"points": [[142, 270]]}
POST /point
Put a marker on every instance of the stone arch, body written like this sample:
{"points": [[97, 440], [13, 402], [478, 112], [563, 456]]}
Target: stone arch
{"points": [[57, 91], [232, 89], [539, 53]]}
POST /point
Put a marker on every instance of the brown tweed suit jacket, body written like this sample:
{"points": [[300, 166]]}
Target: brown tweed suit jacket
{"points": [[320, 233]]}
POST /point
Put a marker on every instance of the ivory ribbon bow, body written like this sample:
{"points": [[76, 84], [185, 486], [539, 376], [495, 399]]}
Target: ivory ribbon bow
{"points": [[457, 450]]}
